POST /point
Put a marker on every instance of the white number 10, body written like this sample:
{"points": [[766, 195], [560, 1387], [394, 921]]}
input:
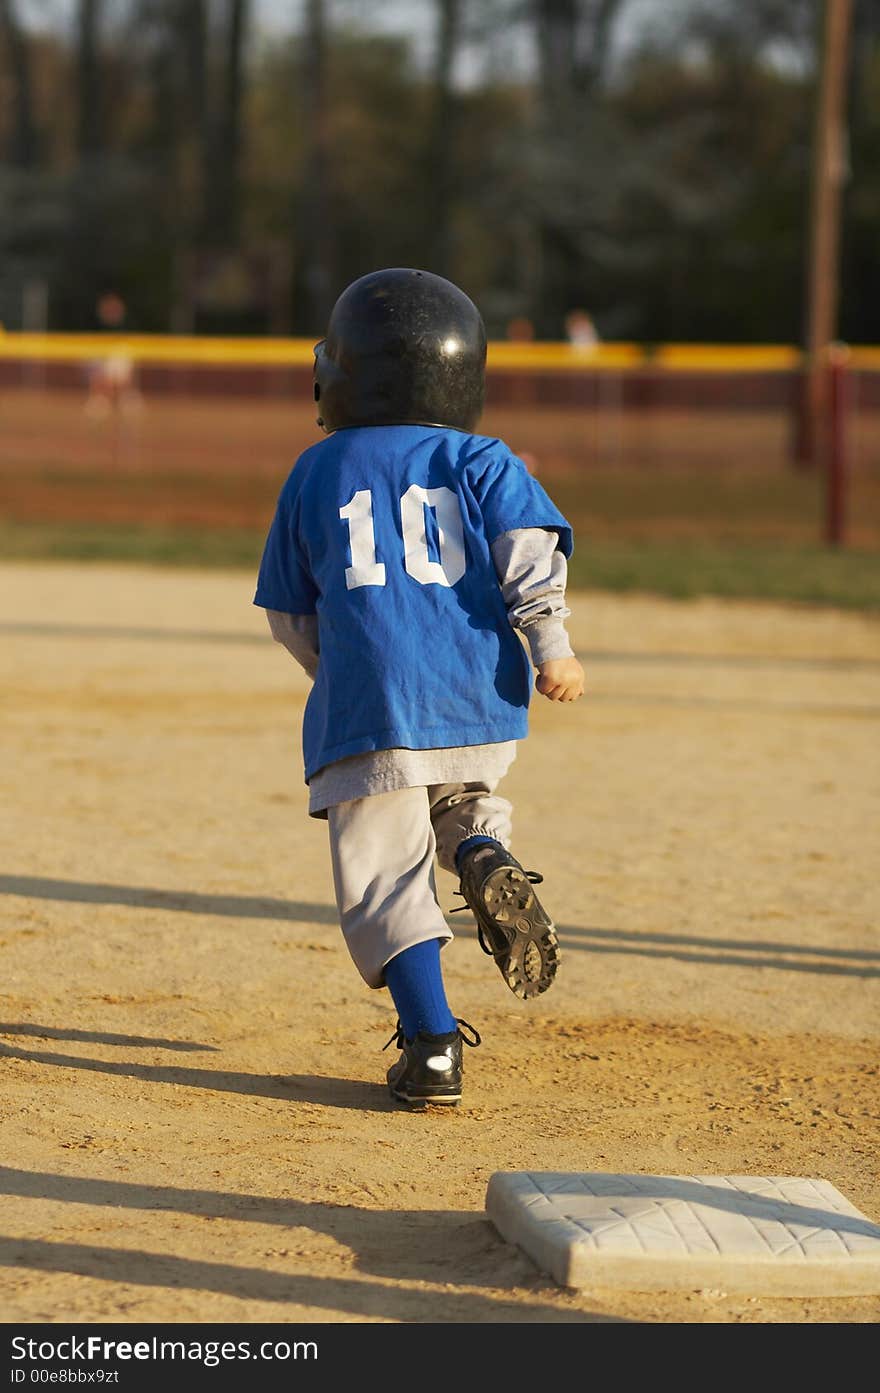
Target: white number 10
{"points": [[366, 570]]}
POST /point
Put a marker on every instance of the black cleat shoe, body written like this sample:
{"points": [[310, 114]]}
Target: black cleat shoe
{"points": [[429, 1068], [512, 925]]}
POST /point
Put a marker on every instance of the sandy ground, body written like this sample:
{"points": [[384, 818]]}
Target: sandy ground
{"points": [[194, 1117]]}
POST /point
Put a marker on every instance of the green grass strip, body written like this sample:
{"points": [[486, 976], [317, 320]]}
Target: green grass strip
{"points": [[815, 575], [162, 546]]}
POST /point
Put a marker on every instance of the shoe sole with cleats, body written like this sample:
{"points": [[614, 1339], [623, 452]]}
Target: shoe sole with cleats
{"points": [[521, 936]]}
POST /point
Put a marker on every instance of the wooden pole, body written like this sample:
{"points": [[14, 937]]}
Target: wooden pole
{"points": [[830, 167]]}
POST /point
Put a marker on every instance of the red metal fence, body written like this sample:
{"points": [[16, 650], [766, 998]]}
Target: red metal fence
{"points": [[154, 406]]}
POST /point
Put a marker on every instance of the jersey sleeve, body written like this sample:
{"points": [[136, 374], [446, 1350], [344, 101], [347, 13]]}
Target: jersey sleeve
{"points": [[284, 582], [510, 498]]}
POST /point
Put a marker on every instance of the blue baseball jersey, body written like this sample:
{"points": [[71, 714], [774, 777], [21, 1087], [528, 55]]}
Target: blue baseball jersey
{"points": [[384, 532]]}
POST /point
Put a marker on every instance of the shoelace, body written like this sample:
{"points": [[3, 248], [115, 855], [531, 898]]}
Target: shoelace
{"points": [[534, 876], [399, 1039], [536, 879]]}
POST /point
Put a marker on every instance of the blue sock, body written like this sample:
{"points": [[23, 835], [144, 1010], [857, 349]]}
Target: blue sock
{"points": [[468, 845], [415, 982]]}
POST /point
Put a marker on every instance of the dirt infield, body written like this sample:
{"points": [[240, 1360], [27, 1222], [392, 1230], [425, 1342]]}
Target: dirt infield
{"points": [[195, 1121]]}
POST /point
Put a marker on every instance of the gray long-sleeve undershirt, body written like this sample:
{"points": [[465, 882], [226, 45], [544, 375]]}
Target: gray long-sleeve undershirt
{"points": [[532, 573]]}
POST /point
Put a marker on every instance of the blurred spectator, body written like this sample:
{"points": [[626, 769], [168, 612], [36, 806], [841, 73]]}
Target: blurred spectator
{"points": [[111, 310], [111, 383], [580, 329], [529, 460], [520, 329]]}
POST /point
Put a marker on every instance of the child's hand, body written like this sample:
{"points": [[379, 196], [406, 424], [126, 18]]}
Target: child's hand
{"points": [[560, 679]]}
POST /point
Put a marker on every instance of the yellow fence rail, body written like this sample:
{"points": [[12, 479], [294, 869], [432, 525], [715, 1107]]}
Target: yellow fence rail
{"points": [[196, 351]]}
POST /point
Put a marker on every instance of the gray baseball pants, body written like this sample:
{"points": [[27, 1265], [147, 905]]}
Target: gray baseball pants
{"points": [[382, 851]]}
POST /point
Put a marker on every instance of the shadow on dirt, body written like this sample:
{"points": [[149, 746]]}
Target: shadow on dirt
{"points": [[788, 957], [449, 1249], [101, 1037], [184, 901], [290, 1088]]}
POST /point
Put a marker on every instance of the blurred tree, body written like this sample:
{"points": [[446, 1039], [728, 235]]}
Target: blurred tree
{"points": [[440, 143], [376, 125], [90, 129], [181, 88], [195, 144], [314, 273], [23, 142], [860, 231], [573, 44], [573, 47], [173, 142], [713, 173], [650, 163], [221, 220]]}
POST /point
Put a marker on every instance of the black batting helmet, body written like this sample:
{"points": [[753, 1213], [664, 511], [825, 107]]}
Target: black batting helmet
{"points": [[403, 347]]}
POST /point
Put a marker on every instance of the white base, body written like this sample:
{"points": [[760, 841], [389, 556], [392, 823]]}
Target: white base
{"points": [[761, 1235]]}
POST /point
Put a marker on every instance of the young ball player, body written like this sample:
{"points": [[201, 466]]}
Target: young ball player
{"points": [[407, 561]]}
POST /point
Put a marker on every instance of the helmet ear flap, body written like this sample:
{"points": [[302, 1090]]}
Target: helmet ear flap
{"points": [[328, 386], [316, 385]]}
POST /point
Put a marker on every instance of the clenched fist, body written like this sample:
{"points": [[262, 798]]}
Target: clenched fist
{"points": [[560, 679]]}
